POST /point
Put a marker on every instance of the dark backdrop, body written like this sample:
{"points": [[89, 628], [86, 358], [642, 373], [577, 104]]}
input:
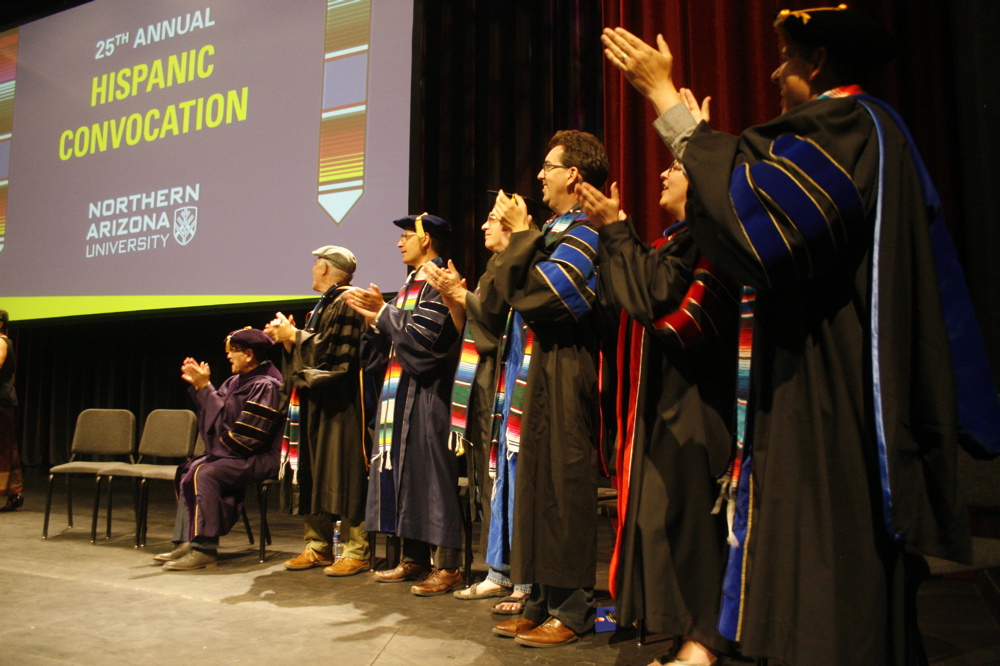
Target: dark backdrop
{"points": [[493, 82]]}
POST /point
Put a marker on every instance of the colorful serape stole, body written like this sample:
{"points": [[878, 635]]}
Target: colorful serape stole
{"points": [[500, 395], [519, 393], [510, 355], [461, 392], [405, 300], [290, 439], [739, 493]]}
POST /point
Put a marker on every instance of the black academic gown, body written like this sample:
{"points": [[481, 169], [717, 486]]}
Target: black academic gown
{"points": [[555, 497], [675, 439], [822, 578], [324, 367], [487, 322]]}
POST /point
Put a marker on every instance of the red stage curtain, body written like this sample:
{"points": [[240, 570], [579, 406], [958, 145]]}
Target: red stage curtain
{"points": [[729, 49]]}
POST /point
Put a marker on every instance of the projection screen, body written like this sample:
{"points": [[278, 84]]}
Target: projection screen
{"points": [[171, 153]]}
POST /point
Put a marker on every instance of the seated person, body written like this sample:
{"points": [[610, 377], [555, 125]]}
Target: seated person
{"points": [[241, 425]]}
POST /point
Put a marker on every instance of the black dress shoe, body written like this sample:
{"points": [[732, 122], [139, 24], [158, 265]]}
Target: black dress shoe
{"points": [[14, 502]]}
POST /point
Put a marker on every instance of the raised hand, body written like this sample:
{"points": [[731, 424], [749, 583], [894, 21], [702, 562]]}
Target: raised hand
{"points": [[281, 328], [447, 281], [600, 210], [699, 113], [366, 302], [194, 373], [513, 215], [649, 70]]}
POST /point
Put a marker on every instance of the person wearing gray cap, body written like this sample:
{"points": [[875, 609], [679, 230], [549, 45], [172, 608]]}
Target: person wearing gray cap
{"points": [[323, 472]]}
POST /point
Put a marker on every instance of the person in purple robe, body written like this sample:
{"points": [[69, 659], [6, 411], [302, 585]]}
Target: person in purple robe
{"points": [[240, 423]]}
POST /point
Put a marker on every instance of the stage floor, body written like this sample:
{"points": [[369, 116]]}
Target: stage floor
{"points": [[68, 601]]}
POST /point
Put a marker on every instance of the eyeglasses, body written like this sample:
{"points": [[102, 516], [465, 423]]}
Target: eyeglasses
{"points": [[549, 167], [406, 235], [676, 166]]}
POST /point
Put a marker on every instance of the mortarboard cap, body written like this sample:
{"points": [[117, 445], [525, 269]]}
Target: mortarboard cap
{"points": [[847, 34], [425, 222]]}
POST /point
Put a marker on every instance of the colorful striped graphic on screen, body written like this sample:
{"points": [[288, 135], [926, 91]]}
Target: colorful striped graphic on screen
{"points": [[8, 68], [345, 106]]}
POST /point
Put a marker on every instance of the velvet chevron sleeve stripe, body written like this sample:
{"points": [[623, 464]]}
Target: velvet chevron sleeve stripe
{"points": [[706, 308], [427, 323], [770, 247], [254, 431], [811, 163], [795, 208], [569, 272]]}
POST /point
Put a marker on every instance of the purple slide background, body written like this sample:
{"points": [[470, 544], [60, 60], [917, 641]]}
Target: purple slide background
{"points": [[258, 218]]}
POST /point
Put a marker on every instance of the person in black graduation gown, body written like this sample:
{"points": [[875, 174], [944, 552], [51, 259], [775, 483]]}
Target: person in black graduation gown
{"points": [[847, 417], [324, 473], [550, 410], [674, 365]]}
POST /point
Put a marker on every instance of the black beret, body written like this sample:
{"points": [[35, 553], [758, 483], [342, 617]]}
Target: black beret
{"points": [[846, 34]]}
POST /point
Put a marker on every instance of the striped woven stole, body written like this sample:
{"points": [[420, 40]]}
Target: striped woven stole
{"points": [[740, 487], [461, 392], [499, 397], [290, 439], [518, 393], [405, 300]]}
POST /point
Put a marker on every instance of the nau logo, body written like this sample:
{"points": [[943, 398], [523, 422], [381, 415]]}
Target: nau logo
{"points": [[185, 224]]}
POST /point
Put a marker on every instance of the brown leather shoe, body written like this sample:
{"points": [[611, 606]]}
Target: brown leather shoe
{"points": [[551, 633], [403, 572], [309, 559], [347, 566], [439, 582], [511, 628]]}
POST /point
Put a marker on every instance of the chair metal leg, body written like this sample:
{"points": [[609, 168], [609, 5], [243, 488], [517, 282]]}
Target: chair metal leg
{"points": [[246, 525], [111, 494], [140, 500], [137, 510], [48, 507], [265, 529], [144, 498], [69, 501], [640, 632], [97, 507]]}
